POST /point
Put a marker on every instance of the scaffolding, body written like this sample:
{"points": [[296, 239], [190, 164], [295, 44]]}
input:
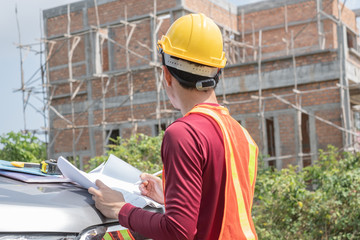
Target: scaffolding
{"points": [[239, 49]]}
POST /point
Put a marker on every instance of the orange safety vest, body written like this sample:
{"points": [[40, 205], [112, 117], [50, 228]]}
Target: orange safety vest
{"points": [[119, 235], [241, 164]]}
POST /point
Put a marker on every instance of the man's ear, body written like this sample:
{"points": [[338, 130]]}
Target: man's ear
{"points": [[167, 76]]}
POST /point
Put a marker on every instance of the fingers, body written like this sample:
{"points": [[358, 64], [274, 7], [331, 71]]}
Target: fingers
{"points": [[145, 176], [143, 188], [144, 183], [97, 192], [100, 184], [109, 202], [93, 191]]}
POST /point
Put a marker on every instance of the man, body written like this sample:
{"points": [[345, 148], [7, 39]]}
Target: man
{"points": [[209, 160]]}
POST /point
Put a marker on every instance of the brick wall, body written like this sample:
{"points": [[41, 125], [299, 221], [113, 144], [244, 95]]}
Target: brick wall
{"points": [[347, 16], [64, 140], [327, 134], [59, 54], [288, 138], [312, 101], [64, 133], [219, 14], [118, 86], [58, 25], [302, 11], [113, 11], [301, 20], [252, 125], [278, 64], [142, 33], [138, 129], [63, 73], [271, 21]]}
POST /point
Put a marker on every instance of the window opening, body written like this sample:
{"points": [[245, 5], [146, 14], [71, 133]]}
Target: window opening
{"points": [[158, 128], [270, 134], [112, 137], [351, 39], [305, 141]]}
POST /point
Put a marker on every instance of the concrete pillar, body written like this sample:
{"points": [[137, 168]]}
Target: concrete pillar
{"points": [[89, 67], [344, 82]]}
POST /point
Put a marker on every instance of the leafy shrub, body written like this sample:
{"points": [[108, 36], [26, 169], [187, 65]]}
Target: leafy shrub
{"points": [[320, 202], [22, 147], [140, 150]]}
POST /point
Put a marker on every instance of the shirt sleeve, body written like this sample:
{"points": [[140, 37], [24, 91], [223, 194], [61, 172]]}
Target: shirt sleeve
{"points": [[182, 155]]}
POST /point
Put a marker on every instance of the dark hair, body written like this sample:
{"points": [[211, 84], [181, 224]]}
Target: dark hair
{"points": [[187, 80]]}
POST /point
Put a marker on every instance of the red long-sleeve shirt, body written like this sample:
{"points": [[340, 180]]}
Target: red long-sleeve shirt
{"points": [[194, 161]]}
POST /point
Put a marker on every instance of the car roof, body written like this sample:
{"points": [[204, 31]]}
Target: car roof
{"points": [[46, 207]]}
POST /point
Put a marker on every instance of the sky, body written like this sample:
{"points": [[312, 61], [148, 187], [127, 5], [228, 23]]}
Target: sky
{"points": [[11, 104], [30, 21]]}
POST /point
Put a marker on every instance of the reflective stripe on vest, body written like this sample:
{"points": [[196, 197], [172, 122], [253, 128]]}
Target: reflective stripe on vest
{"points": [[163, 184], [236, 184], [119, 235]]}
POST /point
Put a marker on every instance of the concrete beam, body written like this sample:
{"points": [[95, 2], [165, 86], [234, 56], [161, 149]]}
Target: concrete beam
{"points": [[357, 12], [226, 5], [61, 10], [280, 78], [113, 102], [352, 72], [263, 5]]}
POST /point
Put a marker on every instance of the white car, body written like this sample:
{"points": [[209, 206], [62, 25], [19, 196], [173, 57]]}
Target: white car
{"points": [[50, 211]]}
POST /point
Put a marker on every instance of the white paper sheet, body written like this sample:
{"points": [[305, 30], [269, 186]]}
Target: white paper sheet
{"points": [[119, 169], [116, 174], [76, 175]]}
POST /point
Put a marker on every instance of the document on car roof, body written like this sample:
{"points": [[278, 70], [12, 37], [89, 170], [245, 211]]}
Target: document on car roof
{"points": [[115, 173]]}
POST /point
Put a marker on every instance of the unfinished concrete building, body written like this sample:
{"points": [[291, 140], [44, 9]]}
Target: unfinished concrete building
{"points": [[291, 79]]}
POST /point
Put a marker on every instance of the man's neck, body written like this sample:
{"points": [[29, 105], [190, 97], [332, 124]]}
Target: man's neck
{"points": [[192, 97]]}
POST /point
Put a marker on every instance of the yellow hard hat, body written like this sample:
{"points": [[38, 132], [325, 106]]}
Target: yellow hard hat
{"points": [[195, 38]]}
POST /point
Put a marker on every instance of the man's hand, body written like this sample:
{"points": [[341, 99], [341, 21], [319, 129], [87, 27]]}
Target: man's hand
{"points": [[151, 187], [109, 202]]}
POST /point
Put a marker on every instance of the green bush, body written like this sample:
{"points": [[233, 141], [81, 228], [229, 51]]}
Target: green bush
{"points": [[320, 202], [140, 150], [22, 147]]}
